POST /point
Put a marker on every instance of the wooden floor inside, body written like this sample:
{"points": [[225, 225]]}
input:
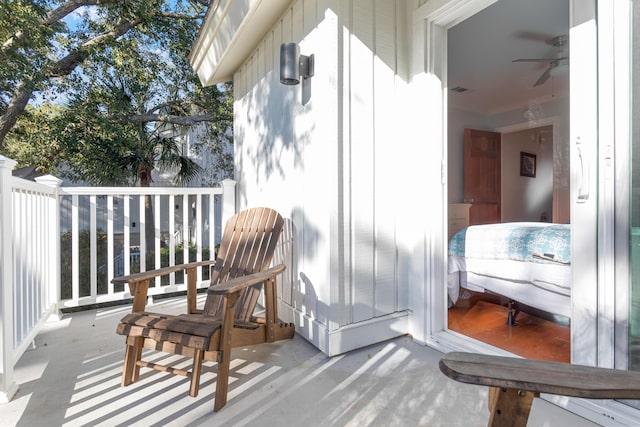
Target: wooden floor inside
{"points": [[533, 337]]}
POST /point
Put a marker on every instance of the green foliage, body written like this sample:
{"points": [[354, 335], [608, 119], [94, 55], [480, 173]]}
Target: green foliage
{"points": [[105, 136], [84, 263], [26, 45], [30, 143], [108, 81], [93, 147]]}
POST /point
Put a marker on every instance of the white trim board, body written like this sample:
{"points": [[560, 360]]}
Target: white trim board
{"points": [[349, 337]]}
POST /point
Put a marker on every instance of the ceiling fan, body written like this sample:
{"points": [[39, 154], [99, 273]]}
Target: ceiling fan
{"points": [[560, 42]]}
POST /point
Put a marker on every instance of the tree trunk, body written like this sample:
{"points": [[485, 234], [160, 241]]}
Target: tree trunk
{"points": [[144, 174], [18, 103]]}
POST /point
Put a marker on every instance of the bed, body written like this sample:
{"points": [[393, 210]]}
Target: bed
{"points": [[528, 262]]}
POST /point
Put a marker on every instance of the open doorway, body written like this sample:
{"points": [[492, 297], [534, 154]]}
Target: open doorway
{"points": [[508, 73]]}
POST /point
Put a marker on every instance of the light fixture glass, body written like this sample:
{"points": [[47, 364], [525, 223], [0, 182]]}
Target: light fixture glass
{"points": [[289, 65], [293, 65]]}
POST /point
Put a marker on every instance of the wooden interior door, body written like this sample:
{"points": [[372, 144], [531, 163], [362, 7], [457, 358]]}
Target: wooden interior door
{"points": [[482, 176]]}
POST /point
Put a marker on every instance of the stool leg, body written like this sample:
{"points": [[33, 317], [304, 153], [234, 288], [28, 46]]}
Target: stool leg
{"points": [[509, 407]]}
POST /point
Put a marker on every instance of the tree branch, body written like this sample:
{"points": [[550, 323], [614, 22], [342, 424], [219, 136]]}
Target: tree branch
{"points": [[166, 104], [71, 5], [18, 103], [167, 118], [180, 16], [56, 15], [63, 67], [67, 64]]}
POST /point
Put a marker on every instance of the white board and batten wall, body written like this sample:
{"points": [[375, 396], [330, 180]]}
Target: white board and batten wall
{"points": [[331, 155]]}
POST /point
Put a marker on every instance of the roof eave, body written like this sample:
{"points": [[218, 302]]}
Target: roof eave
{"points": [[230, 32]]}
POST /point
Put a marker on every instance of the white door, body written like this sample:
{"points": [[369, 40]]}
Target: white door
{"points": [[606, 195], [584, 191]]}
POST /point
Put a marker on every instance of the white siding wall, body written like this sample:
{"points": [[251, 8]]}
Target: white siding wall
{"points": [[325, 154]]}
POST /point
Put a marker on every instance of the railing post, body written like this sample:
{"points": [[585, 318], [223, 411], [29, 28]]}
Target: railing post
{"points": [[228, 200], [8, 386], [55, 286]]}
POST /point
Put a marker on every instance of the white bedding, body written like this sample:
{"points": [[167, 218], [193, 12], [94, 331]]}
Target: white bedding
{"points": [[546, 286]]}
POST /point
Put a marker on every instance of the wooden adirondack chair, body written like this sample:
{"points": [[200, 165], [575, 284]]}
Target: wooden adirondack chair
{"points": [[514, 383], [227, 319]]}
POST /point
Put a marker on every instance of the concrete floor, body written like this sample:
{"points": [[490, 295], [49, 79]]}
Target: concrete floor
{"points": [[72, 378]]}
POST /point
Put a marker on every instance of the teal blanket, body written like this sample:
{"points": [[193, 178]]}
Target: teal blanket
{"points": [[521, 241]]}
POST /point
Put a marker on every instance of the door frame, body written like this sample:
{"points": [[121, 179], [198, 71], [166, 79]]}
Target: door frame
{"points": [[428, 71]]}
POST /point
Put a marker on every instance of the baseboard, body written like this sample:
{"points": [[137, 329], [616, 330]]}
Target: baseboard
{"points": [[348, 337], [7, 395]]}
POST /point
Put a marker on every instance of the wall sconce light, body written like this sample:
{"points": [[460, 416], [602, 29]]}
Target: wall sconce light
{"points": [[293, 65]]}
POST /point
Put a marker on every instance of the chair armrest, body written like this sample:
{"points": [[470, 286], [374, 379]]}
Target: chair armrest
{"points": [[541, 376], [136, 277], [239, 283], [139, 283]]}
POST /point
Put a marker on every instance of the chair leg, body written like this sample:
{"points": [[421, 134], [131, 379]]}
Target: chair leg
{"points": [[224, 355], [130, 370], [136, 367], [222, 380], [509, 407], [195, 372]]}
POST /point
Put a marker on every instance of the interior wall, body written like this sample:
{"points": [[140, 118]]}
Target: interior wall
{"points": [[527, 198], [458, 120], [557, 108]]}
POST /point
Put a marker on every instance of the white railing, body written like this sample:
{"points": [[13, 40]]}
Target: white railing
{"points": [[105, 231], [29, 273], [61, 247]]}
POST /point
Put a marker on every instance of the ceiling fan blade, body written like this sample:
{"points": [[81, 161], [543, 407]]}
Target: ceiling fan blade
{"points": [[534, 36], [544, 77], [534, 60]]}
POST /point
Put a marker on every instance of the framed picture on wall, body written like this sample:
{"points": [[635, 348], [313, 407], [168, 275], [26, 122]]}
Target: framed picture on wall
{"points": [[527, 164]]}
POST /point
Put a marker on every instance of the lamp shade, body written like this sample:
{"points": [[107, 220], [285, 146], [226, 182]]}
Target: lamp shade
{"points": [[289, 64]]}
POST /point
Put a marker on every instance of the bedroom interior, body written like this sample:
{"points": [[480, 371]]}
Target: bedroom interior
{"points": [[508, 74]]}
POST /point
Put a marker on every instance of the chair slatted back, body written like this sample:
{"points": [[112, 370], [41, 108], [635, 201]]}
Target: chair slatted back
{"points": [[247, 247]]}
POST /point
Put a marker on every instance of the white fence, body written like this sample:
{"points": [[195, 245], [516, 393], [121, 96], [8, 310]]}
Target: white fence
{"points": [[28, 266], [60, 247], [108, 232]]}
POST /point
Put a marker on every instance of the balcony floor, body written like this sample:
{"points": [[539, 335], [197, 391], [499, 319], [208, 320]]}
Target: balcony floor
{"points": [[72, 377]]}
